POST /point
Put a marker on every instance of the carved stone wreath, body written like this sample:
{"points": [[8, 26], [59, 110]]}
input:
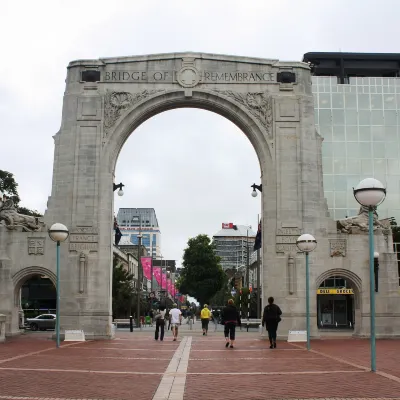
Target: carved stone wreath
{"points": [[116, 103], [338, 247], [258, 103]]}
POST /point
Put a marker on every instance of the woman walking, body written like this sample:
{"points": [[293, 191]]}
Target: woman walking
{"points": [[205, 316], [160, 323], [230, 318], [271, 318]]}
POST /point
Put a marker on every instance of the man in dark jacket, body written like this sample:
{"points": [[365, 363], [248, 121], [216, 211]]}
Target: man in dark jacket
{"points": [[271, 318], [230, 317]]}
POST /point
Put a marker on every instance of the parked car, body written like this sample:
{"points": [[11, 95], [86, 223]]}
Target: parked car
{"points": [[42, 322]]}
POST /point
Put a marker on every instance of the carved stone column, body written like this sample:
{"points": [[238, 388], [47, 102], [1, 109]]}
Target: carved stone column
{"points": [[291, 274], [82, 262]]}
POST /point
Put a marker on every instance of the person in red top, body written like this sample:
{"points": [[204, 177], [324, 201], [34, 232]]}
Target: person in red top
{"points": [[230, 318]]}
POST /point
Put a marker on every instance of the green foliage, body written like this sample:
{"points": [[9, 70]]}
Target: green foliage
{"points": [[202, 276], [122, 290], [9, 187]]}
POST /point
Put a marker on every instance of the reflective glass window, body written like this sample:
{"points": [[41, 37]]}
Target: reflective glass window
{"points": [[328, 182], [339, 133], [378, 133], [340, 182], [389, 102], [324, 100], [339, 165], [391, 150], [340, 200], [352, 149], [350, 100], [364, 117], [367, 166], [390, 117], [351, 117], [378, 150], [390, 133], [377, 117], [338, 117], [337, 100], [325, 117], [352, 133], [353, 166], [376, 102], [327, 163], [365, 149], [326, 132], [363, 102], [379, 167]]}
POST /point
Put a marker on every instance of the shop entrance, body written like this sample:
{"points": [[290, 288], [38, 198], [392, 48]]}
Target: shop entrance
{"points": [[335, 304]]}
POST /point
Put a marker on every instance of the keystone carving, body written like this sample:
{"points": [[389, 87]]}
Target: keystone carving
{"points": [[12, 220], [258, 103], [116, 103]]}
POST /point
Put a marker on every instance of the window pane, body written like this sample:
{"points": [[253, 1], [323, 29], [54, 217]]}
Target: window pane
{"points": [[378, 133], [352, 133], [353, 166], [328, 182], [367, 166], [327, 164], [339, 133], [338, 117], [351, 100], [364, 117], [378, 150], [376, 102], [339, 165], [393, 168], [363, 102], [365, 149], [325, 100], [340, 182], [351, 117], [326, 132], [389, 101], [390, 133], [352, 149], [325, 117], [377, 117], [337, 100], [391, 150], [390, 117], [340, 200], [339, 149], [379, 167]]}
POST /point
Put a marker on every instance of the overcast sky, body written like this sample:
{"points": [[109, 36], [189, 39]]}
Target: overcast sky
{"points": [[194, 167]]}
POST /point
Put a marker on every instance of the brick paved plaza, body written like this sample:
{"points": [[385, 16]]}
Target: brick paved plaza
{"points": [[134, 366]]}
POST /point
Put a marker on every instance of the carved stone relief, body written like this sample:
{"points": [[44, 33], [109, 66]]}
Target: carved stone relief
{"points": [[36, 246], [338, 247], [83, 238], [286, 240], [258, 103], [116, 103], [12, 219]]}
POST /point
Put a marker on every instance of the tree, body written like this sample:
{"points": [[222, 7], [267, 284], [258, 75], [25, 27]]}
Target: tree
{"points": [[122, 290], [9, 187], [202, 276]]}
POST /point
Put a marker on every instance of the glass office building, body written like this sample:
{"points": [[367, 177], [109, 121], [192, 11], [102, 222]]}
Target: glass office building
{"points": [[357, 104]]}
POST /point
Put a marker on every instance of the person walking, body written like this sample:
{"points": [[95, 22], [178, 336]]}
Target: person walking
{"points": [[205, 316], [230, 318], [271, 318], [175, 316], [160, 323]]}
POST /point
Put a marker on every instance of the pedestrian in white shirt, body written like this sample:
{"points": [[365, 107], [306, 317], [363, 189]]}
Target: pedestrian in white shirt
{"points": [[176, 320]]}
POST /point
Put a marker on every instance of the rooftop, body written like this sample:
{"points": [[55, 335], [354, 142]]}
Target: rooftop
{"points": [[240, 231]]}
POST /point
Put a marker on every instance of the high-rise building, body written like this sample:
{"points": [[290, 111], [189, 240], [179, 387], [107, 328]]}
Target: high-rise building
{"points": [[131, 221], [234, 244], [357, 112]]}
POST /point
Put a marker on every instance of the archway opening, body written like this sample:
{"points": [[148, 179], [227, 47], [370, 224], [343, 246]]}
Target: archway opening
{"points": [[336, 303], [195, 168]]}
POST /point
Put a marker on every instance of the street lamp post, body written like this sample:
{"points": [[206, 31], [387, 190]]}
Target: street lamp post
{"points": [[370, 193], [306, 243], [58, 233]]}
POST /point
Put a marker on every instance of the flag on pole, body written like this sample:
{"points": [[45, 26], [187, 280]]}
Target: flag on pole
{"points": [[258, 241]]}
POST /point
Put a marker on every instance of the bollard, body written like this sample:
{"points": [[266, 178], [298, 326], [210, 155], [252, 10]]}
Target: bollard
{"points": [[131, 323]]}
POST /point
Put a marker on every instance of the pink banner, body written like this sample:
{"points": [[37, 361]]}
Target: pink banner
{"points": [[146, 265], [157, 274]]}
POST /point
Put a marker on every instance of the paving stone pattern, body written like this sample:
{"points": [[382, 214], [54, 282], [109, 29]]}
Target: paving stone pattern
{"points": [[134, 366]]}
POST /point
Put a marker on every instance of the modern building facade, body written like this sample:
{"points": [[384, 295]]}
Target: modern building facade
{"points": [[234, 244], [131, 221], [357, 105]]}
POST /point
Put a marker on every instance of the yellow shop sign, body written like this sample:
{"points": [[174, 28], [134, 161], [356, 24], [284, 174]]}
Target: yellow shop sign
{"points": [[335, 291]]}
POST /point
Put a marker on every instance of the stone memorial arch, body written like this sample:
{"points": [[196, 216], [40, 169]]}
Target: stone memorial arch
{"points": [[105, 100]]}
